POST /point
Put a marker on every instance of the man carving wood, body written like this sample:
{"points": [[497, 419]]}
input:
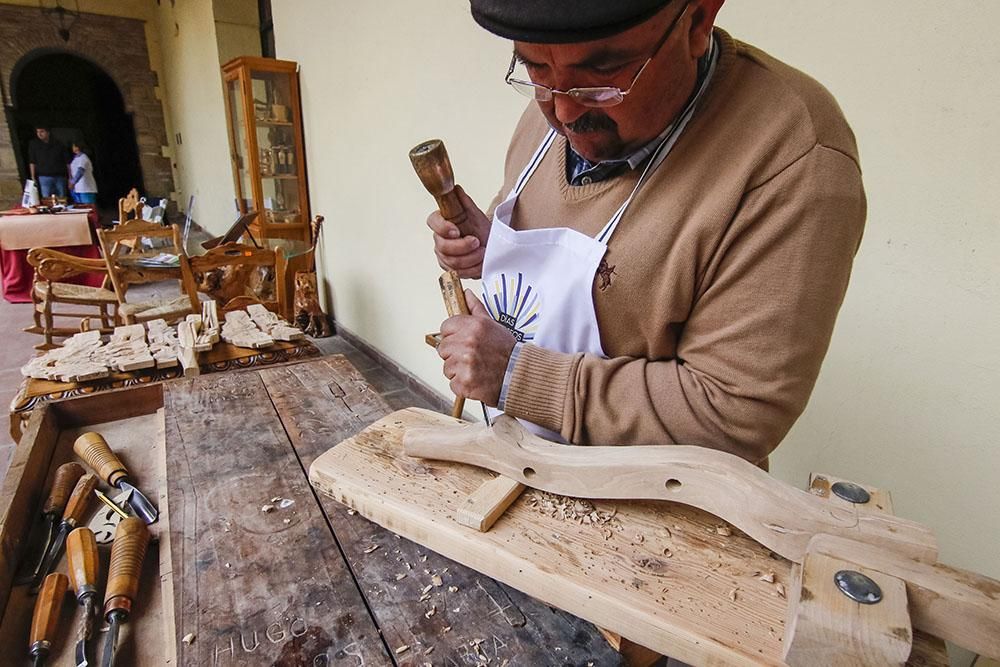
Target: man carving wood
{"points": [[721, 185]]}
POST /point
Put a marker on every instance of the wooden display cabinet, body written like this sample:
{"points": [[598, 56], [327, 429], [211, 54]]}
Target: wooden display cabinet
{"points": [[265, 138]]}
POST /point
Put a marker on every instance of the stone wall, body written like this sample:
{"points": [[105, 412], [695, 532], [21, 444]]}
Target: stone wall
{"points": [[116, 45]]}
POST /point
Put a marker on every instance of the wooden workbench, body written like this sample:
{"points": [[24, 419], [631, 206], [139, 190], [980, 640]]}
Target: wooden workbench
{"points": [[310, 582]]}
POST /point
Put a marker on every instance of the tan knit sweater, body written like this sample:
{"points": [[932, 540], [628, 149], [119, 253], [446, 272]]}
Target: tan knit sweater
{"points": [[729, 269]]}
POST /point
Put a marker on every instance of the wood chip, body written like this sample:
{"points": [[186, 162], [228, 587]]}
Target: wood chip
{"points": [[640, 538], [371, 548], [428, 651], [402, 649], [426, 589], [781, 589], [436, 580], [667, 553], [430, 612], [402, 575], [724, 530], [446, 629], [267, 509], [769, 577], [425, 597], [188, 638], [453, 589], [732, 594]]}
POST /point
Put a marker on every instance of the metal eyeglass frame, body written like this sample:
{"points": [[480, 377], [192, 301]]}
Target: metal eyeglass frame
{"points": [[587, 96]]}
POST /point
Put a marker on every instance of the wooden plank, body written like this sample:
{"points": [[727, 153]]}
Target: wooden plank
{"points": [[664, 575], [825, 627], [21, 496], [957, 605], [484, 506], [781, 517], [466, 618], [256, 580]]}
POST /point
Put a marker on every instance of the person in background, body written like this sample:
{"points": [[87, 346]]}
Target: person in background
{"points": [[81, 177], [47, 160]]}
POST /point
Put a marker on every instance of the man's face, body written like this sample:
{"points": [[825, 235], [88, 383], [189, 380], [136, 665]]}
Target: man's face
{"points": [[42, 134], [658, 96]]}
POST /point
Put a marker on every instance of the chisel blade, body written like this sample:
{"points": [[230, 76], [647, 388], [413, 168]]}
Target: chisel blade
{"points": [[140, 504], [51, 556], [111, 639], [81, 654], [50, 532]]}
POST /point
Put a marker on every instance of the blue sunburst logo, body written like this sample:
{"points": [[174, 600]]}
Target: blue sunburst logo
{"points": [[514, 304]]}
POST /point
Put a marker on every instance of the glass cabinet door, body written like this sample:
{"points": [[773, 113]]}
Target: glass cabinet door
{"points": [[241, 151], [277, 152]]}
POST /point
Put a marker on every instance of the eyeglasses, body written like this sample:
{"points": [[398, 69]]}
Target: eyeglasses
{"points": [[593, 96]]}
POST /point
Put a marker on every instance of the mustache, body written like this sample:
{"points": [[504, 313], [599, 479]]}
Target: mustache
{"points": [[591, 121]]}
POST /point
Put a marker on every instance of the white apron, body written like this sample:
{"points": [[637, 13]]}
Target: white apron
{"points": [[539, 283]]}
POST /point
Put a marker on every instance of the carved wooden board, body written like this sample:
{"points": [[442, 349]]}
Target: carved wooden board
{"points": [[664, 575], [257, 579]]}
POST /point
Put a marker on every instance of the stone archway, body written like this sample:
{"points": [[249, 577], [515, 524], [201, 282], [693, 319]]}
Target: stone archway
{"points": [[115, 45]]}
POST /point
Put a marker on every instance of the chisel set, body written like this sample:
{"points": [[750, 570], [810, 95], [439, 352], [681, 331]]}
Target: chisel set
{"points": [[65, 508]]}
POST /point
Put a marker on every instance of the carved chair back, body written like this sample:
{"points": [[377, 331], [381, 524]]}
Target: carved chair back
{"points": [[235, 274]]}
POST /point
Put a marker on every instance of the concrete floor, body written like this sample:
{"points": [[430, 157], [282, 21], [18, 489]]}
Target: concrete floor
{"points": [[18, 347]]}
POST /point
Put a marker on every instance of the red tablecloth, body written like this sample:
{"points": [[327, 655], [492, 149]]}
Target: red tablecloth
{"points": [[18, 275]]}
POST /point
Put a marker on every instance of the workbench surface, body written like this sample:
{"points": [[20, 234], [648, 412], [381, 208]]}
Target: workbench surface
{"points": [[266, 571]]}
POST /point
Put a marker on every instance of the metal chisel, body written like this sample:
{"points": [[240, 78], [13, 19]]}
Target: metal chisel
{"points": [[62, 485], [75, 509], [94, 450], [127, 554], [81, 554]]}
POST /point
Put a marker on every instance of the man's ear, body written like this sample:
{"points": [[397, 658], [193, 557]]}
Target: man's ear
{"points": [[703, 13]]}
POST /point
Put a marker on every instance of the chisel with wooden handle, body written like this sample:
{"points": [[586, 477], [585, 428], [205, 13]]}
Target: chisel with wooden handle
{"points": [[82, 558], [46, 617], [94, 450], [76, 507], [433, 166], [65, 478], [127, 554]]}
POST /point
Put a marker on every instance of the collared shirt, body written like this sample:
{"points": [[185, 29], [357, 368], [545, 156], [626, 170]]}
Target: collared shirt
{"points": [[581, 171]]}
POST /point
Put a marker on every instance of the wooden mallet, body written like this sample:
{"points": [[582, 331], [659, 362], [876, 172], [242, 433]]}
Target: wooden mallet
{"points": [[430, 161]]}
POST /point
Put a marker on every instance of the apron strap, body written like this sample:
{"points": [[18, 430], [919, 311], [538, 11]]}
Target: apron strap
{"points": [[661, 152], [533, 163]]}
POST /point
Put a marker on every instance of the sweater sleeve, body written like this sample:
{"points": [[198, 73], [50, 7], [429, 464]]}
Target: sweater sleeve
{"points": [[749, 353]]}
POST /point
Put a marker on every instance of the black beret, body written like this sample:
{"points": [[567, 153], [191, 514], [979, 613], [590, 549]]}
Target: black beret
{"points": [[561, 21]]}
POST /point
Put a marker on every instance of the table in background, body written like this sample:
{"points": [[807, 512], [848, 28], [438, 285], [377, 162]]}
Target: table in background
{"points": [[70, 232]]}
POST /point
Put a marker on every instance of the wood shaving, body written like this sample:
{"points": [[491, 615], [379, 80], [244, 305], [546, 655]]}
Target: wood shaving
{"points": [[436, 580], [723, 530], [769, 577], [267, 509], [780, 589], [430, 612], [188, 638], [453, 589], [425, 597], [371, 548], [667, 553], [351, 512], [640, 538], [426, 589], [577, 510], [402, 649], [401, 575], [732, 594], [446, 629], [428, 651]]}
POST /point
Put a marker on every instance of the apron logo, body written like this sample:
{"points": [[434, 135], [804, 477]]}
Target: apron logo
{"points": [[605, 272], [513, 303]]}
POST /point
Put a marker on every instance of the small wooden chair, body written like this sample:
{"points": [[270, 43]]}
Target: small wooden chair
{"points": [[128, 264], [225, 273], [52, 268]]}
